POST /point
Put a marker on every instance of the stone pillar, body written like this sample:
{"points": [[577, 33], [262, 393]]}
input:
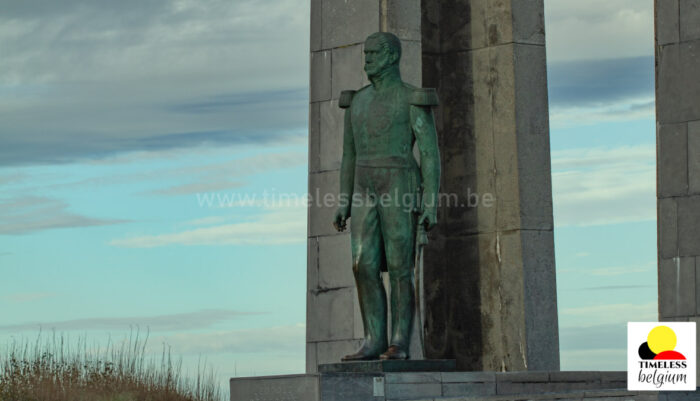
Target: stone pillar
{"points": [[678, 158], [489, 269], [338, 31], [491, 287]]}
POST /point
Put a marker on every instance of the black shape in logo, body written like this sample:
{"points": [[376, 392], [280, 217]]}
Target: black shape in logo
{"points": [[645, 352]]}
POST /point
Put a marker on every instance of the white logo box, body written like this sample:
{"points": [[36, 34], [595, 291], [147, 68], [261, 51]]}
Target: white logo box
{"points": [[661, 375]]}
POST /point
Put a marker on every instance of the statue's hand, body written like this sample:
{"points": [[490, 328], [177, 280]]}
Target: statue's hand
{"points": [[428, 219], [341, 217]]}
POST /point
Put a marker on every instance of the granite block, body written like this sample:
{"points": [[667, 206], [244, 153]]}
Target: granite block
{"points": [[323, 193], [332, 351], [667, 227], [331, 138], [694, 157], [347, 69], [320, 82], [330, 316], [312, 264], [403, 18], [316, 21], [528, 21], [672, 159], [347, 387], [411, 60], [667, 22], [311, 361], [689, 20], [413, 377], [470, 389], [407, 391], [314, 137], [688, 227], [677, 287], [335, 262], [348, 22], [276, 388]]}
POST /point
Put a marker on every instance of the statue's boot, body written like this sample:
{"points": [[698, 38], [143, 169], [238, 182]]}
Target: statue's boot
{"points": [[402, 308], [363, 354], [394, 352]]}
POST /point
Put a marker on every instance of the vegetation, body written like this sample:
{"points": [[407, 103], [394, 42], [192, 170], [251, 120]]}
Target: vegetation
{"points": [[53, 370]]}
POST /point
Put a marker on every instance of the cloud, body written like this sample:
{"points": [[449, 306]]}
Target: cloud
{"points": [[615, 314], [599, 82], [599, 29], [181, 321], [89, 79], [283, 226], [281, 339], [27, 214], [599, 186], [27, 296], [196, 187]]}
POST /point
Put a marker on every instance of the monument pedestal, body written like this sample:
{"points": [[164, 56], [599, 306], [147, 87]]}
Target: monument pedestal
{"points": [[357, 384]]}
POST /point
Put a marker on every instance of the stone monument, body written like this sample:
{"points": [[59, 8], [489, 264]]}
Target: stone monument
{"points": [[489, 279]]}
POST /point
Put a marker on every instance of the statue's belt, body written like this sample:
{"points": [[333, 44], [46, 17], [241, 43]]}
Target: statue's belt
{"points": [[387, 162]]}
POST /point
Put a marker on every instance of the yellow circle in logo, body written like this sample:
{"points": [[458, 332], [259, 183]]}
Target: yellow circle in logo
{"points": [[660, 339]]}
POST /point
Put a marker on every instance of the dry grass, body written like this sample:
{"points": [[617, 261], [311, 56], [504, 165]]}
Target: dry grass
{"points": [[50, 369]]}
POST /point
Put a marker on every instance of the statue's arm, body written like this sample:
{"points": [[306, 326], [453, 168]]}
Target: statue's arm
{"points": [[423, 125], [347, 166]]}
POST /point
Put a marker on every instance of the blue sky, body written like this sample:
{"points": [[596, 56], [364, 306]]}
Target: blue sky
{"points": [[113, 119]]}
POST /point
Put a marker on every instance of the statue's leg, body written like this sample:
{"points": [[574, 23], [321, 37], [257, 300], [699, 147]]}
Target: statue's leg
{"points": [[367, 254], [398, 229]]}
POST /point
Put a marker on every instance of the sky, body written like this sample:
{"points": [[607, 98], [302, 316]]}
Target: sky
{"points": [[117, 119]]}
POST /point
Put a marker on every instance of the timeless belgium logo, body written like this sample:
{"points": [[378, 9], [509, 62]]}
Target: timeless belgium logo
{"points": [[661, 356]]}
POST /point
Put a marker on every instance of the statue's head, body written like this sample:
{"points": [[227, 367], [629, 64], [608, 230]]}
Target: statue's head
{"points": [[382, 51]]}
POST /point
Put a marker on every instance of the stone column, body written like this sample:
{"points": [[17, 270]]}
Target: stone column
{"points": [[490, 281], [678, 158], [489, 269], [338, 30]]}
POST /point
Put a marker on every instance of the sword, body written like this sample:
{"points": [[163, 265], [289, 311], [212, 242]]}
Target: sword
{"points": [[421, 241]]}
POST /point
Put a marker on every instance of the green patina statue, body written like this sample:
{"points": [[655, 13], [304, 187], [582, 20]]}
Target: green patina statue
{"points": [[390, 198]]}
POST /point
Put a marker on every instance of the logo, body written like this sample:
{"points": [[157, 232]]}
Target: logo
{"points": [[661, 356]]}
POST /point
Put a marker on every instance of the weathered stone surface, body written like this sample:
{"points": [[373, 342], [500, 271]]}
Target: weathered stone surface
{"points": [[411, 62], [330, 315], [323, 191], [672, 161], [688, 227], [404, 391], [311, 363], [416, 377], [668, 227], [540, 298], [320, 82], [316, 30], [312, 264], [521, 382], [528, 22], [348, 22], [276, 388], [314, 137], [667, 22], [347, 387], [678, 82], [335, 262], [694, 157], [403, 18], [347, 69], [332, 351], [532, 133], [677, 287], [689, 16], [331, 139]]}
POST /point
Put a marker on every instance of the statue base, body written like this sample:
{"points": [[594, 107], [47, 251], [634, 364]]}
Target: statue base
{"points": [[408, 365], [440, 385]]}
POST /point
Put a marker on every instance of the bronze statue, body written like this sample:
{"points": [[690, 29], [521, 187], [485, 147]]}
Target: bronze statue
{"points": [[382, 187]]}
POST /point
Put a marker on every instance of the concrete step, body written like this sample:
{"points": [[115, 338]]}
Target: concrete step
{"points": [[592, 395]]}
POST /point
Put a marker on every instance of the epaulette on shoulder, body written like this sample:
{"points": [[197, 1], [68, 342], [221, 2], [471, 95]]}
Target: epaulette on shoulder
{"points": [[346, 99], [424, 97]]}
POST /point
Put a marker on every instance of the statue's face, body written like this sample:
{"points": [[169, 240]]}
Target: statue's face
{"points": [[377, 58]]}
